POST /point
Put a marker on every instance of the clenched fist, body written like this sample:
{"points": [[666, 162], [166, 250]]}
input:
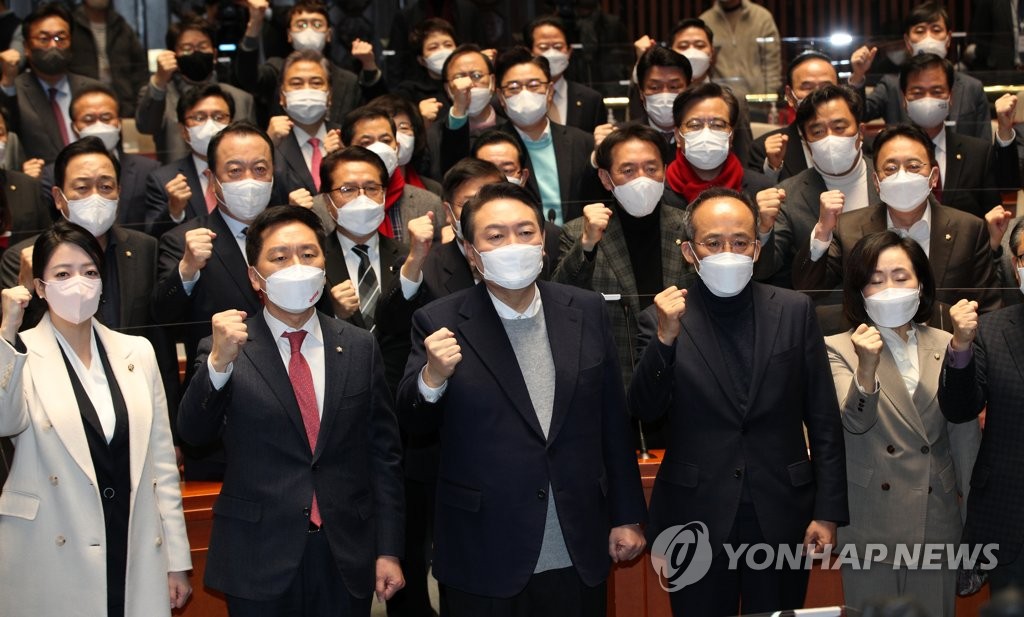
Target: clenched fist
{"points": [[671, 306], [595, 221], [429, 108], [998, 221], [769, 202], [830, 206], [775, 150], [860, 63], [1006, 110], [198, 250], [600, 132], [13, 301], [301, 198], [867, 342], [229, 335], [178, 194], [443, 355], [345, 299], [965, 324], [279, 128], [166, 67]]}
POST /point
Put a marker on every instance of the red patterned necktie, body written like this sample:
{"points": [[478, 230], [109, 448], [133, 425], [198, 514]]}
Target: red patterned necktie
{"points": [[302, 383], [314, 163]]}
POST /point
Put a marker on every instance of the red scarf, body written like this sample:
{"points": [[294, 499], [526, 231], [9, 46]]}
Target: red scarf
{"points": [[394, 192], [683, 179], [413, 178]]}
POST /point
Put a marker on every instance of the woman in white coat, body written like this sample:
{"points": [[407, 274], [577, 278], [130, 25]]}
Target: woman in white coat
{"points": [[907, 468], [90, 517]]}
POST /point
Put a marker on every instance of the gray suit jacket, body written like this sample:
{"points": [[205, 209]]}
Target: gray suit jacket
{"points": [[905, 464], [32, 116]]}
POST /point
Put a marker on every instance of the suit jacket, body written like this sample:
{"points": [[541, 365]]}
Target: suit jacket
{"points": [[130, 66], [969, 107], [497, 466], [261, 518], [157, 219], [32, 116], [959, 255], [611, 272], [793, 162], [715, 444], [391, 254], [52, 491], [29, 213], [993, 35], [977, 172], [994, 378], [296, 172], [906, 467], [585, 108]]}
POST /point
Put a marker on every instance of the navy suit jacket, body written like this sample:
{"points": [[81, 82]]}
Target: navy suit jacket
{"points": [[157, 220]]}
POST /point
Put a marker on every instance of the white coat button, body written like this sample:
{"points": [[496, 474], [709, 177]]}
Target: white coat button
{"points": [[54, 480], [61, 541], [159, 541]]}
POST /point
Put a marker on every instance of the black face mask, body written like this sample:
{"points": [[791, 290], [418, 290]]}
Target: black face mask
{"points": [[196, 66], [52, 61]]}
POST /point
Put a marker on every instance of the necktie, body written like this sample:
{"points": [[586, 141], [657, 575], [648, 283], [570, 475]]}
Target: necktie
{"points": [[209, 195], [314, 163], [58, 115], [302, 384], [368, 288]]}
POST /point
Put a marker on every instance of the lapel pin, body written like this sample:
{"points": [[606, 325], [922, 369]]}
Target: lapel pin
{"points": [[127, 253], [679, 242], [14, 188], [338, 349], [131, 367], [959, 156], [579, 103], [948, 237]]}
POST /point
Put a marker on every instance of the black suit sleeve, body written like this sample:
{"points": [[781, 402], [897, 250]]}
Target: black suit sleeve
{"points": [[963, 392], [652, 390], [757, 154], [415, 414], [202, 409], [170, 302]]}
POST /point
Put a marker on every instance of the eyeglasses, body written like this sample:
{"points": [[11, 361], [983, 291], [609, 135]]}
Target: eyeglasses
{"points": [[348, 192], [317, 24], [478, 77], [513, 88], [697, 124], [736, 245], [912, 166], [200, 117], [43, 39]]}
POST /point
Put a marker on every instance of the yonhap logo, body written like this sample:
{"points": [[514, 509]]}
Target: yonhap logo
{"points": [[681, 555]]}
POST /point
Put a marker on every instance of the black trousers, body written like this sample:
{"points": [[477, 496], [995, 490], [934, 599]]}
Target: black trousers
{"points": [[316, 591], [555, 593], [722, 591], [414, 599]]}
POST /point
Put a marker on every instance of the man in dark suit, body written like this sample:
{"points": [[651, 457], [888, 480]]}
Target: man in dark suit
{"points": [[521, 379], [984, 369], [994, 37], [740, 369], [957, 243], [39, 99], [781, 153], [309, 521]]}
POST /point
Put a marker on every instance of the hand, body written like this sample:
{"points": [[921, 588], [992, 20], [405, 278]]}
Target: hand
{"points": [[33, 167], [389, 577], [333, 140], [998, 221], [867, 342], [830, 206], [600, 132], [179, 588], [363, 52], [1006, 110], [820, 536], [860, 63], [166, 67], [13, 302], [595, 221], [429, 108], [257, 13], [671, 306], [641, 45], [460, 90], [279, 128], [25, 275], [229, 334], [301, 198], [198, 250], [345, 299], [9, 61], [965, 324], [775, 150], [625, 543], [443, 355], [178, 194], [492, 54], [420, 232], [769, 202]]}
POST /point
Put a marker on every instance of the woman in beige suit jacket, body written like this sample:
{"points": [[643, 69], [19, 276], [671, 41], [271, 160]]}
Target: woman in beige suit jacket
{"points": [[907, 468], [60, 525]]}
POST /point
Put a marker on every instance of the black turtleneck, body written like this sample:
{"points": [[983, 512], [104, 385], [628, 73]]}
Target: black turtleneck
{"points": [[643, 241], [733, 321]]}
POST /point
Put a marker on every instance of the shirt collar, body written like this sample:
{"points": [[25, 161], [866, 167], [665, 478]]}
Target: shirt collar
{"points": [[62, 86], [507, 312], [236, 226], [302, 136], [891, 339], [561, 88], [201, 165], [545, 136], [347, 243], [926, 218], [278, 327], [940, 140]]}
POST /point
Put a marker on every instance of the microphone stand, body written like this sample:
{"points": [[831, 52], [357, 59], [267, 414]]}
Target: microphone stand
{"points": [[645, 454]]}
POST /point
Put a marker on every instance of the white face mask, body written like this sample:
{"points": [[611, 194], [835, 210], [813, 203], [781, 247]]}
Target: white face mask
{"points": [[306, 106], [457, 224], [406, 145], [1020, 278], [514, 180], [659, 109], [386, 154], [706, 149], [295, 288], [435, 61], [199, 136], [640, 196], [309, 39], [725, 274], [928, 112], [835, 155], [108, 134], [95, 213], [513, 266], [558, 61], [928, 45], [361, 216], [904, 191], [526, 108], [893, 306], [699, 61], [246, 199], [479, 99], [74, 299]]}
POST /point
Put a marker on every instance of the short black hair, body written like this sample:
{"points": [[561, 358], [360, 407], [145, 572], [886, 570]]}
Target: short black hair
{"points": [[859, 266], [1016, 236], [307, 55], [192, 95], [491, 192], [422, 31], [707, 90], [462, 50], [85, 145], [663, 57], [279, 215], [90, 90], [497, 136], [922, 62], [628, 132], [393, 105], [192, 22], [925, 13], [467, 169], [903, 130], [46, 11], [545, 20], [715, 193], [346, 155], [691, 22], [238, 127], [64, 231], [308, 6], [359, 114], [516, 56], [808, 108], [806, 56]]}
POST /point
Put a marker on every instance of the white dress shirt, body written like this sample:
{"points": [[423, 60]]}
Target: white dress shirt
{"points": [[560, 99], [302, 137], [905, 355], [94, 381], [920, 231], [352, 258]]}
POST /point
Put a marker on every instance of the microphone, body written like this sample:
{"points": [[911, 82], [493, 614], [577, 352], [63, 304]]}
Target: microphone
{"points": [[645, 454]]}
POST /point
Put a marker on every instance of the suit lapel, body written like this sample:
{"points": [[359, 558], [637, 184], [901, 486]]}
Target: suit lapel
{"points": [[265, 358], [794, 161], [291, 151], [617, 256], [390, 252], [673, 266], [1015, 339], [137, 397], [767, 317], [954, 161], [197, 202], [127, 264], [931, 349], [696, 323], [573, 106], [40, 102], [226, 250], [893, 387], [336, 366], [943, 236], [565, 332], [458, 272], [563, 162]]}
